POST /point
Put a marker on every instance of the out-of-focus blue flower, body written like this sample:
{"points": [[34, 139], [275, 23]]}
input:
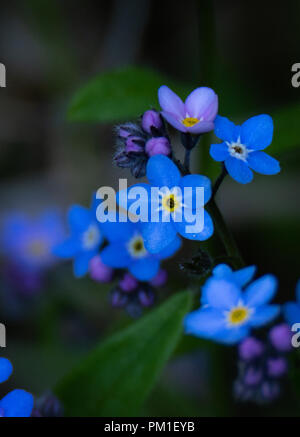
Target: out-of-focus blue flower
{"points": [[240, 277], [28, 243], [242, 147], [196, 115], [291, 310], [85, 239], [17, 403], [230, 313], [173, 205], [126, 250]]}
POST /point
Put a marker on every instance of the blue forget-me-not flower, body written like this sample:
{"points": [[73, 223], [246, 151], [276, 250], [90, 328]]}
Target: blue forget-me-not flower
{"points": [[241, 150]]}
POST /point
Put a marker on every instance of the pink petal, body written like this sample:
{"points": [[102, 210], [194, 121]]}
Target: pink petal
{"points": [[201, 127], [173, 121], [200, 101], [170, 102]]}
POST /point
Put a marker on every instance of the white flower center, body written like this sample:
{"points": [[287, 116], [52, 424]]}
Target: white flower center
{"points": [[136, 247], [238, 150], [91, 237]]}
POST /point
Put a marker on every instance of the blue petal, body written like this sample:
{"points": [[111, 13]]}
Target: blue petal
{"points": [[207, 231], [231, 336], [170, 249], [238, 170], [260, 291], [263, 163], [243, 276], [17, 403], [291, 311], [81, 263], [195, 181], [125, 200], [161, 171], [144, 269], [222, 271], [257, 132], [219, 152], [157, 236], [6, 369], [220, 293], [79, 218], [116, 255], [204, 322], [118, 231], [264, 314], [225, 129], [67, 249]]}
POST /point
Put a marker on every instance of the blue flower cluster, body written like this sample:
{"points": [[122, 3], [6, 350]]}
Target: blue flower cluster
{"points": [[17, 403]]}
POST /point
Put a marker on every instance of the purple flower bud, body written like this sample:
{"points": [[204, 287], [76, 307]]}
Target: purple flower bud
{"points": [[269, 391], [280, 337], [158, 146], [128, 283], [160, 279], [99, 271], [250, 349], [253, 376], [133, 146], [151, 119], [146, 297], [118, 299], [277, 367], [123, 133]]}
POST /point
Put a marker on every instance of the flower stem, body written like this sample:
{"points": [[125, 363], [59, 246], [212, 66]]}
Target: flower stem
{"points": [[219, 181], [225, 235]]}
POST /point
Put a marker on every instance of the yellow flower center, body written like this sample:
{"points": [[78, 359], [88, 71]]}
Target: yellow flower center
{"points": [[136, 247], [190, 121], [238, 315], [170, 202]]}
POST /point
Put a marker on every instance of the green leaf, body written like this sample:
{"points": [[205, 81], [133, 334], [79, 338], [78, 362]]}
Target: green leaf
{"points": [[116, 378], [118, 95]]}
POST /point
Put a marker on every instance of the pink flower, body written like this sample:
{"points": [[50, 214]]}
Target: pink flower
{"points": [[196, 115]]}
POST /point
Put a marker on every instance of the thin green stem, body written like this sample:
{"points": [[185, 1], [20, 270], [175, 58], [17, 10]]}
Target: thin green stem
{"points": [[225, 235], [219, 181]]}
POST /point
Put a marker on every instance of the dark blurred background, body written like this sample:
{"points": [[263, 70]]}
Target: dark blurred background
{"points": [[244, 50]]}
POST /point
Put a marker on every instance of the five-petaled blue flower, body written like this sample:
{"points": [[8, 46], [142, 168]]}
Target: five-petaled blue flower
{"points": [[229, 313], [291, 310], [17, 403], [177, 205], [242, 147], [28, 243], [126, 249], [85, 239]]}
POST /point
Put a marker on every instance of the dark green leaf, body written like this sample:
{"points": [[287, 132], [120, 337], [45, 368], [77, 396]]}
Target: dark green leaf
{"points": [[115, 379]]}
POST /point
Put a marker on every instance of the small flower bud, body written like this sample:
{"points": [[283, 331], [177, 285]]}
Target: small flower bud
{"points": [[146, 297], [158, 146], [253, 376], [250, 349], [280, 337], [118, 299], [128, 283], [277, 367], [151, 119], [160, 279], [132, 145], [99, 271]]}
